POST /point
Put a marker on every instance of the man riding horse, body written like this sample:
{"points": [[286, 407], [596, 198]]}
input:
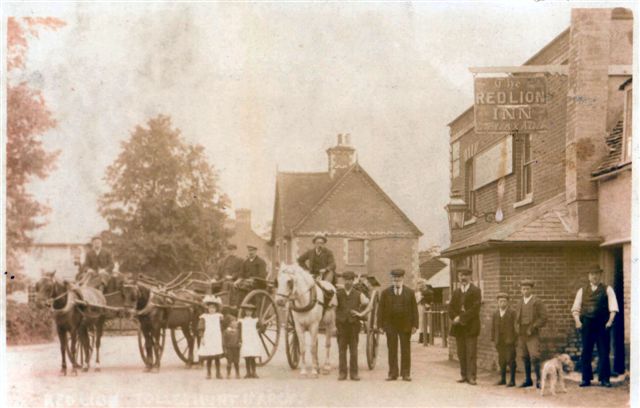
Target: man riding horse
{"points": [[319, 260]]}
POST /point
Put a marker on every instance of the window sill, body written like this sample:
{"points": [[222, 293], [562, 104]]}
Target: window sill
{"points": [[470, 221], [526, 201], [356, 264]]}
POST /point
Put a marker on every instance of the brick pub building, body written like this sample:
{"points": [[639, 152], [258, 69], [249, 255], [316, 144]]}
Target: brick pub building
{"points": [[564, 193], [366, 231]]}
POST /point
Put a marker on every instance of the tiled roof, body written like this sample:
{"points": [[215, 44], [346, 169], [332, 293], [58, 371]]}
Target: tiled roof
{"points": [[298, 193], [547, 222], [613, 161]]}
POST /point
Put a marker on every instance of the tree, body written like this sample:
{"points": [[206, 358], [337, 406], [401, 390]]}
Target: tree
{"points": [[28, 118], [164, 209]]}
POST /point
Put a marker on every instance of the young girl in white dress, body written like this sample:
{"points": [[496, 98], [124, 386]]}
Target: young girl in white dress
{"points": [[250, 348], [211, 334]]}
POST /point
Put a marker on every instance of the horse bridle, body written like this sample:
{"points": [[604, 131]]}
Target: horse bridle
{"points": [[292, 300]]}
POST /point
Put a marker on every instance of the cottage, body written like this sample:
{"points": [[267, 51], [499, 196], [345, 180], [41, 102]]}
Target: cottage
{"points": [[366, 230], [531, 200]]}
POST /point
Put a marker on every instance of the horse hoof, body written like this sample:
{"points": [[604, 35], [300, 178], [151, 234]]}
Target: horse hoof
{"points": [[146, 370], [303, 373], [85, 369], [63, 373], [74, 373], [97, 369]]}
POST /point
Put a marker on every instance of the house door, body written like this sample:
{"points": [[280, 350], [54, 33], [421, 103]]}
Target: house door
{"points": [[618, 326]]}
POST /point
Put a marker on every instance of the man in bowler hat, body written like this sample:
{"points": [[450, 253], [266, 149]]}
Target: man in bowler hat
{"points": [[398, 317], [348, 314], [594, 310], [503, 335], [531, 316], [464, 311]]}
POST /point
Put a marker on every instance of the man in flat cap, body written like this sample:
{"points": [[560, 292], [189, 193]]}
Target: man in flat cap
{"points": [[594, 310], [319, 260], [503, 335], [531, 316], [252, 267], [348, 314], [464, 311], [398, 317]]}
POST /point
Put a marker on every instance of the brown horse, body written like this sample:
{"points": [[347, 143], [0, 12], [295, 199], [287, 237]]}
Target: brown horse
{"points": [[50, 290], [155, 313]]}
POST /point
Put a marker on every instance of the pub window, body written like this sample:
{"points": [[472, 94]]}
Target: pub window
{"points": [[355, 252], [525, 162], [455, 160], [628, 109], [470, 194], [473, 262]]}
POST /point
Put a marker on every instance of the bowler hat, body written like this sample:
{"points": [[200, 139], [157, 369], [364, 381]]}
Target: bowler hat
{"points": [[398, 273], [502, 295], [319, 236], [464, 270], [527, 282], [595, 269], [348, 275], [250, 247]]}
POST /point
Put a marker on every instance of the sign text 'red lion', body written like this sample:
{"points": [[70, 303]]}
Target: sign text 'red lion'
{"points": [[510, 104]]}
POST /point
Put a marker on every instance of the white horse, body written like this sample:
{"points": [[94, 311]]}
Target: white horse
{"points": [[297, 286]]}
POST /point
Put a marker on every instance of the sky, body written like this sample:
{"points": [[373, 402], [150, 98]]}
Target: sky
{"points": [[269, 86]]}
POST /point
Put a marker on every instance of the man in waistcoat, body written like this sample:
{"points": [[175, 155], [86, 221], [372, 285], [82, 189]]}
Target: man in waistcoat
{"points": [[531, 316], [464, 311], [594, 310], [503, 335], [348, 314], [398, 317], [319, 260]]}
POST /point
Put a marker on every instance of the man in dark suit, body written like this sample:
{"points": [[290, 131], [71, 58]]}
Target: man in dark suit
{"points": [[464, 311], [231, 266], [503, 335], [252, 267], [319, 260], [531, 316], [348, 314], [398, 317], [97, 263]]}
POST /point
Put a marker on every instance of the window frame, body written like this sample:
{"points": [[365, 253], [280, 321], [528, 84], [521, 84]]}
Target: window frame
{"points": [[524, 191], [364, 252], [469, 192], [627, 135]]}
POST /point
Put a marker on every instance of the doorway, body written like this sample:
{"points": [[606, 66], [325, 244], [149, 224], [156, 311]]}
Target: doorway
{"points": [[619, 355]]}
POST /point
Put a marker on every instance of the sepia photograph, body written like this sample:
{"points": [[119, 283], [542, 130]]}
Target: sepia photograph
{"points": [[318, 203]]}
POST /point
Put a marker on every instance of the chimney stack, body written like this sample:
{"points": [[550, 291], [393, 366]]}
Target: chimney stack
{"points": [[341, 156]]}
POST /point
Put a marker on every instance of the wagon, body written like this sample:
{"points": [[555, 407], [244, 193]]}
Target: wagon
{"points": [[196, 286]]}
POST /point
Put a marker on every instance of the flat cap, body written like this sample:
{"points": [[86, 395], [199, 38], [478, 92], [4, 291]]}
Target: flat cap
{"points": [[348, 275], [595, 269], [464, 270], [397, 272], [527, 282], [251, 247], [502, 295]]}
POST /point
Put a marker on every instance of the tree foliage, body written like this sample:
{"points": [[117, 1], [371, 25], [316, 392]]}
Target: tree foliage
{"points": [[28, 118], [164, 208]]}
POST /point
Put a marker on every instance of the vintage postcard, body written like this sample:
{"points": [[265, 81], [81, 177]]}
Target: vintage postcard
{"points": [[301, 203]]}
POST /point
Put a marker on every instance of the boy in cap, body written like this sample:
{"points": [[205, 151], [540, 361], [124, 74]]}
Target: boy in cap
{"points": [[398, 317], [348, 314], [503, 334], [531, 316], [594, 310], [464, 311], [319, 260]]}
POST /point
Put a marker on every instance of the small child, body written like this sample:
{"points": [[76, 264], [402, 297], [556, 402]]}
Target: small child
{"points": [[231, 344], [250, 339], [210, 326], [503, 334]]}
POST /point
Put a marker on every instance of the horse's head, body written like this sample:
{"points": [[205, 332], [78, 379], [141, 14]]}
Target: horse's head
{"points": [[130, 294], [285, 283], [46, 288]]}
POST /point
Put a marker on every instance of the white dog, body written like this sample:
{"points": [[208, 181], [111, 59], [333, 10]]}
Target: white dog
{"points": [[553, 370]]}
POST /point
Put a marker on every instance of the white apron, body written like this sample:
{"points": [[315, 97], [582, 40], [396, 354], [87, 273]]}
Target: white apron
{"points": [[251, 344], [211, 343]]}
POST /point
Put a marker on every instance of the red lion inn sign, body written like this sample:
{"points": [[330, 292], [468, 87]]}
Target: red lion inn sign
{"points": [[510, 104]]}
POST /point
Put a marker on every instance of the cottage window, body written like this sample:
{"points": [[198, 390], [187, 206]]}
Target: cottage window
{"points": [[455, 160], [626, 135], [355, 252], [525, 162], [470, 195]]}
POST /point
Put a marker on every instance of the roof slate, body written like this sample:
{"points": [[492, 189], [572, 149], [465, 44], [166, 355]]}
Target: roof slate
{"points": [[613, 161]]}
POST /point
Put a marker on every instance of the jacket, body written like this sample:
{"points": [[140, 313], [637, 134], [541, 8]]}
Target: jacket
{"points": [[404, 321], [509, 335], [539, 315], [313, 262], [469, 311]]}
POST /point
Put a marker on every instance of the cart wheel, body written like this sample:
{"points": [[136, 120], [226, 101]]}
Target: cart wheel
{"points": [[372, 332], [181, 345], [148, 359], [268, 322], [291, 343]]}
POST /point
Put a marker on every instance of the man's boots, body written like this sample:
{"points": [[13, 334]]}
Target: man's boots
{"points": [[527, 372], [503, 375]]}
